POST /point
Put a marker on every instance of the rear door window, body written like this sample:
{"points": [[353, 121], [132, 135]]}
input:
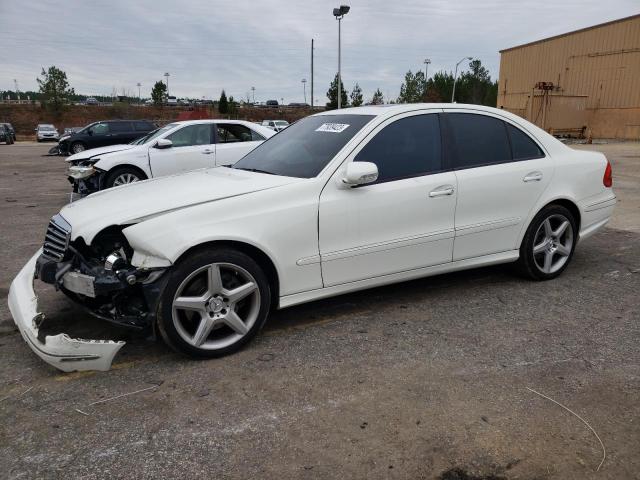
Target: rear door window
{"points": [[522, 146], [477, 140], [142, 126], [120, 127], [233, 132]]}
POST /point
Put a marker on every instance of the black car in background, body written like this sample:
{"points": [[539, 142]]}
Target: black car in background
{"points": [[102, 134], [5, 134], [11, 130]]}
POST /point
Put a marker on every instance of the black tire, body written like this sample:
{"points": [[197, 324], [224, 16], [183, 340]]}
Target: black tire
{"points": [[123, 172], [529, 264], [79, 146], [181, 273]]}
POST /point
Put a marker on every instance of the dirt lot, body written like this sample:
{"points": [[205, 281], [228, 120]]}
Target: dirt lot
{"points": [[426, 379]]}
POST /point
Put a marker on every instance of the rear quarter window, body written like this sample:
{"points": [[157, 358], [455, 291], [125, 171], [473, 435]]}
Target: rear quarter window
{"points": [[522, 146]]}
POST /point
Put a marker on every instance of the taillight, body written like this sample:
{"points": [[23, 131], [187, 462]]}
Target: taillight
{"points": [[607, 180]]}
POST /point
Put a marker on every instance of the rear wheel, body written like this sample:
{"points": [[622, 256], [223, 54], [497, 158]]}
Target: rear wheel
{"points": [[123, 176], [214, 303], [548, 245]]}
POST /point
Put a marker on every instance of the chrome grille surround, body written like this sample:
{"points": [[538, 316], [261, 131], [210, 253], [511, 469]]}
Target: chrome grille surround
{"points": [[56, 240]]}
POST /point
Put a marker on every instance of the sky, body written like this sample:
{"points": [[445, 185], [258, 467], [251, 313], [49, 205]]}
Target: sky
{"points": [[210, 45]]}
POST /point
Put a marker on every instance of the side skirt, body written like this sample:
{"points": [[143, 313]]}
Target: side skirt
{"points": [[486, 260]]}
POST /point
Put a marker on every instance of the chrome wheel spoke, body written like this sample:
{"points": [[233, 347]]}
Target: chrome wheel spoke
{"points": [[561, 229], [214, 280], [563, 250], [233, 320], [548, 261], [203, 331], [541, 247], [241, 292], [196, 304], [548, 231]]}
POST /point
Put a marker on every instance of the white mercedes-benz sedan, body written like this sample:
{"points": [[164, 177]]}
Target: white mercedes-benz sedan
{"points": [[339, 201], [175, 148]]}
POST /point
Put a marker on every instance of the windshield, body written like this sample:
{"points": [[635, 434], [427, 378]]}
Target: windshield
{"points": [[154, 134], [304, 148], [46, 128]]}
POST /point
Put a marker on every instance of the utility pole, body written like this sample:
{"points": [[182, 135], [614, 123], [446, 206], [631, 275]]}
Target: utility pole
{"points": [[427, 61], [166, 75], [339, 13], [139, 99], [15, 83], [312, 74], [253, 90], [304, 89]]}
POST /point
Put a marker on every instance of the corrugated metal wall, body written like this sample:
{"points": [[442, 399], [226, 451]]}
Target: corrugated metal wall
{"points": [[601, 63]]}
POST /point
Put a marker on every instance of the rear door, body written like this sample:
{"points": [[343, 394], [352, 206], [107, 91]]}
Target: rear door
{"points": [[121, 132], [501, 172], [234, 141], [192, 149]]}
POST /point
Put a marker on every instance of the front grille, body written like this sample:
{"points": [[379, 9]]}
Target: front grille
{"points": [[56, 240]]}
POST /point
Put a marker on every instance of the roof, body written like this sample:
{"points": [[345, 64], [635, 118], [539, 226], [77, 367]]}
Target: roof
{"points": [[571, 33], [396, 108]]}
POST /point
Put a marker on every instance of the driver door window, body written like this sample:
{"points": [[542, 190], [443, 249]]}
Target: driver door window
{"points": [[191, 135]]}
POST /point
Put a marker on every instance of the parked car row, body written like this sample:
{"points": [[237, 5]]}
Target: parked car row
{"points": [[175, 148], [337, 202]]}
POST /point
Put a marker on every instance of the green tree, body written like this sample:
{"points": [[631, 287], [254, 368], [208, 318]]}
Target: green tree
{"points": [[413, 88], [475, 86], [439, 87], [232, 108], [54, 88], [332, 94], [223, 103], [377, 98], [356, 96], [158, 92]]}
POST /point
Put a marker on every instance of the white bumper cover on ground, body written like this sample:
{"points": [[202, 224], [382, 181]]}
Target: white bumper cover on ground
{"points": [[63, 352]]}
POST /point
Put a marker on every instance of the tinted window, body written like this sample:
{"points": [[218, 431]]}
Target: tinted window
{"points": [[100, 129], [142, 126], [303, 149], [192, 135], [478, 140], [232, 132], [522, 146], [406, 148], [119, 127]]}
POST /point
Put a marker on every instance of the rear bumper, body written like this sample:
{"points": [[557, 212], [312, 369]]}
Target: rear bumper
{"points": [[61, 351], [596, 213]]}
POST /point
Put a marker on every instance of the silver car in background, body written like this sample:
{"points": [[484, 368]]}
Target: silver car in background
{"points": [[46, 131]]}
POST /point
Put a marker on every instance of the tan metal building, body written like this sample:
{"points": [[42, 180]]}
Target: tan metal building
{"points": [[582, 82]]}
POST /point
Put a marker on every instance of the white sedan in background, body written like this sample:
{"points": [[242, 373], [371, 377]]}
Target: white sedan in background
{"points": [[339, 201], [175, 148]]}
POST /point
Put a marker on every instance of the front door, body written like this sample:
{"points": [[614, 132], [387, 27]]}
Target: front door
{"points": [[192, 148], [401, 222]]}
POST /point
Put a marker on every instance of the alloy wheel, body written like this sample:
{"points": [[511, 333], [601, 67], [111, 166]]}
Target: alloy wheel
{"points": [[215, 306], [78, 147], [553, 243], [124, 179]]}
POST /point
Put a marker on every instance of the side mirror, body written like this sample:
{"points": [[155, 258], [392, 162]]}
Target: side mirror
{"points": [[360, 173], [163, 143]]}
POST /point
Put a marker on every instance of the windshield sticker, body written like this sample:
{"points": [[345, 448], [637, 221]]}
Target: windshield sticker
{"points": [[332, 127]]}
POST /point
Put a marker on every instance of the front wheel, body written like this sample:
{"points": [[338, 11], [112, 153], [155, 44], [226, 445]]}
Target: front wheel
{"points": [[214, 303], [123, 176], [77, 147], [548, 245]]}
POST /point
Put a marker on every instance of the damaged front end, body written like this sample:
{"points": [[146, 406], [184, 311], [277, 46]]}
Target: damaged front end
{"points": [[99, 277], [84, 177]]}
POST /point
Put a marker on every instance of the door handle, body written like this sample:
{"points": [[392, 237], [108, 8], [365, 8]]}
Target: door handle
{"points": [[442, 191], [532, 177], [207, 151]]}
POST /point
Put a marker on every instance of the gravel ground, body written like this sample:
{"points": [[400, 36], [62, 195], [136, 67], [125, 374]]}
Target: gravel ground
{"points": [[425, 379]]}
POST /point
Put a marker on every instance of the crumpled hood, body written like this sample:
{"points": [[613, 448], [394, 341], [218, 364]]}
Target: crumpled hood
{"points": [[132, 203], [98, 151]]}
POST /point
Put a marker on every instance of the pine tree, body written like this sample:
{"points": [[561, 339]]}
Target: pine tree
{"points": [[332, 94], [377, 99], [223, 103], [356, 96]]}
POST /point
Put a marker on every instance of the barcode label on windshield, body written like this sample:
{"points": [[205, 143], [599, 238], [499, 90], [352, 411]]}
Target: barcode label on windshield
{"points": [[332, 127]]}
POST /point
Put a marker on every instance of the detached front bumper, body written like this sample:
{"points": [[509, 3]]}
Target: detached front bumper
{"points": [[61, 351]]}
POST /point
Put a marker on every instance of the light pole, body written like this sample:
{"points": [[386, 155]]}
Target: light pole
{"points": [[304, 89], [253, 90], [455, 77], [427, 61], [166, 75], [139, 85], [339, 13]]}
